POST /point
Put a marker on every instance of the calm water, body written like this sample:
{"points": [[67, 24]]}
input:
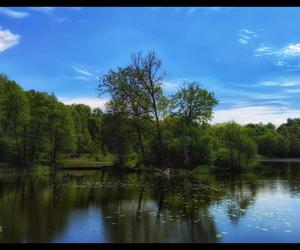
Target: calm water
{"points": [[102, 207]]}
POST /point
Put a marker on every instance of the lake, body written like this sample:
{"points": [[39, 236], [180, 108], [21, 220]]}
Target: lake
{"points": [[96, 207]]}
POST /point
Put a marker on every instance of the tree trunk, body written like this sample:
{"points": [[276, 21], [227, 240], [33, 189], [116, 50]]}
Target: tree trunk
{"points": [[141, 143], [159, 136], [186, 154], [24, 146]]}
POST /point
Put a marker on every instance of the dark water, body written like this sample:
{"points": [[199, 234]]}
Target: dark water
{"points": [[102, 207]]}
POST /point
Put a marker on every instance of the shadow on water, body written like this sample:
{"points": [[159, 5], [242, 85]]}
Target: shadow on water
{"points": [[93, 206]]}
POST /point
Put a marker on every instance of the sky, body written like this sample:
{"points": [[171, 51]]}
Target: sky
{"points": [[249, 57]]}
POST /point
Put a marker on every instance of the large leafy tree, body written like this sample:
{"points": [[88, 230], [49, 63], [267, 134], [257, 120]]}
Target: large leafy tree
{"points": [[117, 133], [150, 77], [37, 139], [82, 114], [15, 116], [126, 92], [235, 148], [193, 105], [61, 131]]}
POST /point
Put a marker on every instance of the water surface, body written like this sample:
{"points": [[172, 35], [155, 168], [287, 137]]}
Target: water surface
{"points": [[94, 206]]}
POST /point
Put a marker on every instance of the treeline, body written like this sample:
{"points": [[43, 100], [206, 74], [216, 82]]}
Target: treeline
{"points": [[35, 126], [140, 126]]}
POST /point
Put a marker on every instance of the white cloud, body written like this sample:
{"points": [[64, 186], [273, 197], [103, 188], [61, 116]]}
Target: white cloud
{"points": [[290, 84], [43, 9], [255, 114], [84, 74], [264, 51], [293, 49], [269, 83], [248, 32], [280, 63], [170, 86], [245, 36], [13, 13], [82, 71], [90, 101], [256, 96], [8, 39], [280, 83], [84, 78], [243, 41], [293, 91], [62, 19], [48, 10]]}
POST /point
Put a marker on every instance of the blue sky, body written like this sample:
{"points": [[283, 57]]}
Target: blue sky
{"points": [[249, 57]]}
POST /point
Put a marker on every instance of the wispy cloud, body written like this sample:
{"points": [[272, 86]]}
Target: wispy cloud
{"points": [[8, 39], [51, 11], [13, 13], [246, 36], [280, 83], [83, 73], [255, 114], [269, 83], [293, 91], [62, 19], [291, 50], [170, 87], [268, 96], [48, 10], [43, 9], [192, 10], [265, 50], [286, 57], [90, 101], [80, 70]]}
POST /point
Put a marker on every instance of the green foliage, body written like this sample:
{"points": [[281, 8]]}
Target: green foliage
{"points": [[140, 127], [193, 104], [235, 149], [267, 144], [203, 169]]}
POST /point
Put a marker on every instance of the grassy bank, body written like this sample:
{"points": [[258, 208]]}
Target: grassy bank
{"points": [[85, 162]]}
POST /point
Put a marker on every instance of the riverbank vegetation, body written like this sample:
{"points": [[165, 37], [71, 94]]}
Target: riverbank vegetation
{"points": [[141, 127]]}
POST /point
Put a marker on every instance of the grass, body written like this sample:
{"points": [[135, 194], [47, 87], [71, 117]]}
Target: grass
{"points": [[203, 169], [85, 161]]}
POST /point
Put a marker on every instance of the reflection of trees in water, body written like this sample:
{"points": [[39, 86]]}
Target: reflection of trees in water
{"points": [[37, 208], [28, 214], [42, 207], [288, 173], [241, 197]]}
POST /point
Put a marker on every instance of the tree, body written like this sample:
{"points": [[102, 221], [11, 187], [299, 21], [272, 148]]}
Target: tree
{"points": [[96, 124], [15, 116], [82, 114], [291, 131], [267, 144], [124, 87], [235, 148], [148, 73], [61, 131], [193, 105], [117, 133], [283, 147], [37, 136]]}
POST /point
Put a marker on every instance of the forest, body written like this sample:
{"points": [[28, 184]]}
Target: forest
{"points": [[141, 127]]}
